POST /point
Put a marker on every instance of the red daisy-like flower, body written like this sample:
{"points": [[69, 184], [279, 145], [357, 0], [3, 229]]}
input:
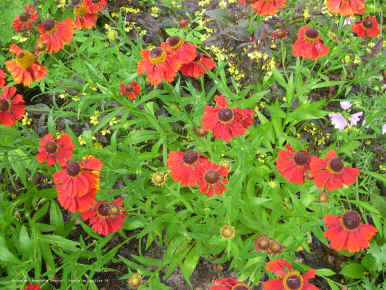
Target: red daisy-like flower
{"points": [[368, 26], [331, 173], [25, 68], [348, 232], [86, 12], [77, 183], [131, 89], [26, 19], [346, 7], [159, 65], [229, 284], [52, 150], [309, 44], [183, 51], [211, 178], [267, 7], [293, 165], [106, 217], [184, 166], [288, 279], [31, 286], [11, 108], [55, 34], [2, 78], [199, 66], [226, 123]]}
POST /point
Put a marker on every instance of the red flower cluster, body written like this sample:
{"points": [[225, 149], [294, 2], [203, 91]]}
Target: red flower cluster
{"points": [[331, 173], [163, 63], [346, 7], [55, 34], [226, 123], [25, 68], [106, 217], [288, 278], [368, 26], [191, 168], [293, 165], [77, 183], [12, 107], [229, 284], [131, 89], [309, 44], [348, 232], [86, 12], [55, 150], [265, 7], [26, 19]]}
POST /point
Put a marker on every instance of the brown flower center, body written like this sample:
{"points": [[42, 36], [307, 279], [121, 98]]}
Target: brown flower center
{"points": [[240, 286], [51, 147], [49, 25], [190, 156], [293, 281], [157, 55], [175, 42], [212, 176], [225, 115], [104, 209], [274, 246], [80, 11], [301, 158], [25, 59], [351, 220], [4, 105], [368, 23], [311, 35], [336, 165], [73, 168], [24, 17], [262, 242]]}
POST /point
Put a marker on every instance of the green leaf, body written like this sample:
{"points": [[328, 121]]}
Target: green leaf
{"points": [[190, 262], [325, 272], [56, 217], [61, 242], [5, 254], [369, 263], [353, 270], [25, 242]]}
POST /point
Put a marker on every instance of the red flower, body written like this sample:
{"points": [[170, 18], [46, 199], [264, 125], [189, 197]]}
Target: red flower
{"points": [[55, 34], [248, 2], [86, 13], [331, 172], [226, 123], [288, 278], [292, 165], [2, 78], [132, 89], [11, 110], [25, 69], [26, 19], [183, 51], [211, 178], [280, 33], [52, 150], [229, 284], [267, 7], [346, 7], [199, 66], [77, 183], [309, 44], [159, 65], [367, 26], [184, 166], [31, 286], [348, 232], [106, 217]]}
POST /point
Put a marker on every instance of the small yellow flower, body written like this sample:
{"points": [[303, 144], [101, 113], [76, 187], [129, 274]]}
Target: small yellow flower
{"points": [[104, 132], [26, 121], [81, 140], [19, 38], [227, 232], [158, 178], [154, 11], [94, 120], [135, 281]]}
